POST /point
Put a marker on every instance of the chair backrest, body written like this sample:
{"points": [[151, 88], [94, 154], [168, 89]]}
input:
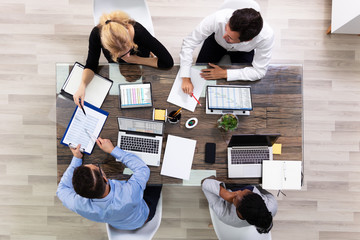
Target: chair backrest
{"points": [[227, 232], [146, 232], [238, 4], [137, 10]]}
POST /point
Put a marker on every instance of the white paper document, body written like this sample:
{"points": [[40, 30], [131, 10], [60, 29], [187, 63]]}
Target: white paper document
{"points": [[95, 91], [84, 129], [281, 175], [178, 157], [181, 99]]}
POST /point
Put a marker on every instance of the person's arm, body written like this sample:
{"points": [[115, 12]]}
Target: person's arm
{"points": [[163, 58], [86, 78], [141, 172], [260, 63], [211, 189], [92, 62], [65, 190], [206, 27]]}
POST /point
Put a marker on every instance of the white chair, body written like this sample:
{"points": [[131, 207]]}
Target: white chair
{"points": [[237, 4], [146, 232], [227, 232], [137, 10]]}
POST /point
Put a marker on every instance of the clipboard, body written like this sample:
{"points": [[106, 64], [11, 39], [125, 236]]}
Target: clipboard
{"points": [[84, 130], [95, 92]]}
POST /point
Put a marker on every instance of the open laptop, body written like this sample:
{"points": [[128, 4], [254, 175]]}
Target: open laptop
{"points": [[235, 99], [142, 138], [246, 153]]}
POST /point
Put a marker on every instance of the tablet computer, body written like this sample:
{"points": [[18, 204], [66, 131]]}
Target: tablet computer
{"points": [[135, 95]]}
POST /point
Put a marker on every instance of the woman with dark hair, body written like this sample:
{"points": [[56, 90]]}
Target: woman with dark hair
{"points": [[241, 206]]}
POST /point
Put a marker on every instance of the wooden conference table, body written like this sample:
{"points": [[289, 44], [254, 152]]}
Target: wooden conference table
{"points": [[277, 108]]}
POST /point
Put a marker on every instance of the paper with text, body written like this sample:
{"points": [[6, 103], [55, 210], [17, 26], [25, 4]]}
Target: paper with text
{"points": [[181, 99], [92, 122]]}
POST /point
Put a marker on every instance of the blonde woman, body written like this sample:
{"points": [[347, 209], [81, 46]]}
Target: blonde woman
{"points": [[121, 40]]}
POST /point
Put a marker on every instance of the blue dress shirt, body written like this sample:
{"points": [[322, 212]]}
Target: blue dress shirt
{"points": [[124, 206]]}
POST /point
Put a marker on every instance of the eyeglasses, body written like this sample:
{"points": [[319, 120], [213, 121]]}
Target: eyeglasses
{"points": [[130, 51], [100, 170]]}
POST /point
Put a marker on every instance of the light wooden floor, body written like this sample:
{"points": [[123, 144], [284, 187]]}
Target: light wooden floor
{"points": [[35, 34]]}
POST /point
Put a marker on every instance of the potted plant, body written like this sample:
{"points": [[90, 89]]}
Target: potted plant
{"points": [[228, 122]]}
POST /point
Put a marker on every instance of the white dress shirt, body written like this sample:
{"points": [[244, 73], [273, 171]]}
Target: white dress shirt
{"points": [[215, 23]]}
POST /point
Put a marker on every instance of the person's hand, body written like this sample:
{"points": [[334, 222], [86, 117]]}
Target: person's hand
{"points": [[213, 73], [227, 195], [187, 85], [132, 59], [105, 145], [79, 95], [76, 151]]}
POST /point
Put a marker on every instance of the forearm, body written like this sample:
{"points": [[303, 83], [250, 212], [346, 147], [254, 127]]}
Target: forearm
{"points": [[86, 77], [66, 180], [140, 170], [226, 195]]}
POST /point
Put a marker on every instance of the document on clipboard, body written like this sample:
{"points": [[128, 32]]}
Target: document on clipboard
{"points": [[84, 129], [181, 99], [95, 91]]}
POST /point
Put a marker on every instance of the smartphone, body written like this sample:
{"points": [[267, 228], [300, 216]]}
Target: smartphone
{"points": [[210, 152]]}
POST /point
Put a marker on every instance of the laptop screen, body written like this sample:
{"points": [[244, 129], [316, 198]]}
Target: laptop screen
{"points": [[253, 140], [229, 97], [141, 125]]}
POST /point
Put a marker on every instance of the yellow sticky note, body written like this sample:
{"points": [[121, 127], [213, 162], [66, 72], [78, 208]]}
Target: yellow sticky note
{"points": [[277, 148], [160, 114]]}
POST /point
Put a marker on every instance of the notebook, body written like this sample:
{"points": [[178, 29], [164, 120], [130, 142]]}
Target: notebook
{"points": [[142, 138], [246, 153], [281, 175], [235, 99], [84, 129], [135, 95], [96, 90]]}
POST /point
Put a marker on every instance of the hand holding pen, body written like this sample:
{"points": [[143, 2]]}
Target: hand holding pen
{"points": [[82, 108]]}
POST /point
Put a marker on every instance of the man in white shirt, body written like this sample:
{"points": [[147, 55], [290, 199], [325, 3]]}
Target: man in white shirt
{"points": [[242, 34]]}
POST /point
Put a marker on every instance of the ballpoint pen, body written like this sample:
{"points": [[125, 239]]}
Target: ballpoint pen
{"points": [[91, 136], [195, 98], [82, 107]]}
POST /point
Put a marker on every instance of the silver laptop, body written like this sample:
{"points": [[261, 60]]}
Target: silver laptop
{"points": [[246, 153], [142, 138]]}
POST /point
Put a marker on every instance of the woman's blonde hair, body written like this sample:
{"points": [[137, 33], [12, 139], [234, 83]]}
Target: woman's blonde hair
{"points": [[114, 33]]}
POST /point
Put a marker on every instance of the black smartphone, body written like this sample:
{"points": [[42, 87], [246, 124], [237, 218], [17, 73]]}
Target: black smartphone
{"points": [[210, 152]]}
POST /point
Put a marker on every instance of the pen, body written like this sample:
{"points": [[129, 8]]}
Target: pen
{"points": [[91, 136], [82, 107], [196, 99]]}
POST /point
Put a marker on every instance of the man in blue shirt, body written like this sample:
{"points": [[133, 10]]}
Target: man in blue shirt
{"points": [[86, 190]]}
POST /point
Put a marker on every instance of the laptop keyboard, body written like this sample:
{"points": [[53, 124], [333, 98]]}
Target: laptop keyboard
{"points": [[249, 156], [145, 145]]}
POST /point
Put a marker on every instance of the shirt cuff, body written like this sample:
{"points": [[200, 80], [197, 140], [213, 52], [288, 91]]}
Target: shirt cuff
{"points": [[232, 74], [76, 161], [185, 71], [116, 153]]}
